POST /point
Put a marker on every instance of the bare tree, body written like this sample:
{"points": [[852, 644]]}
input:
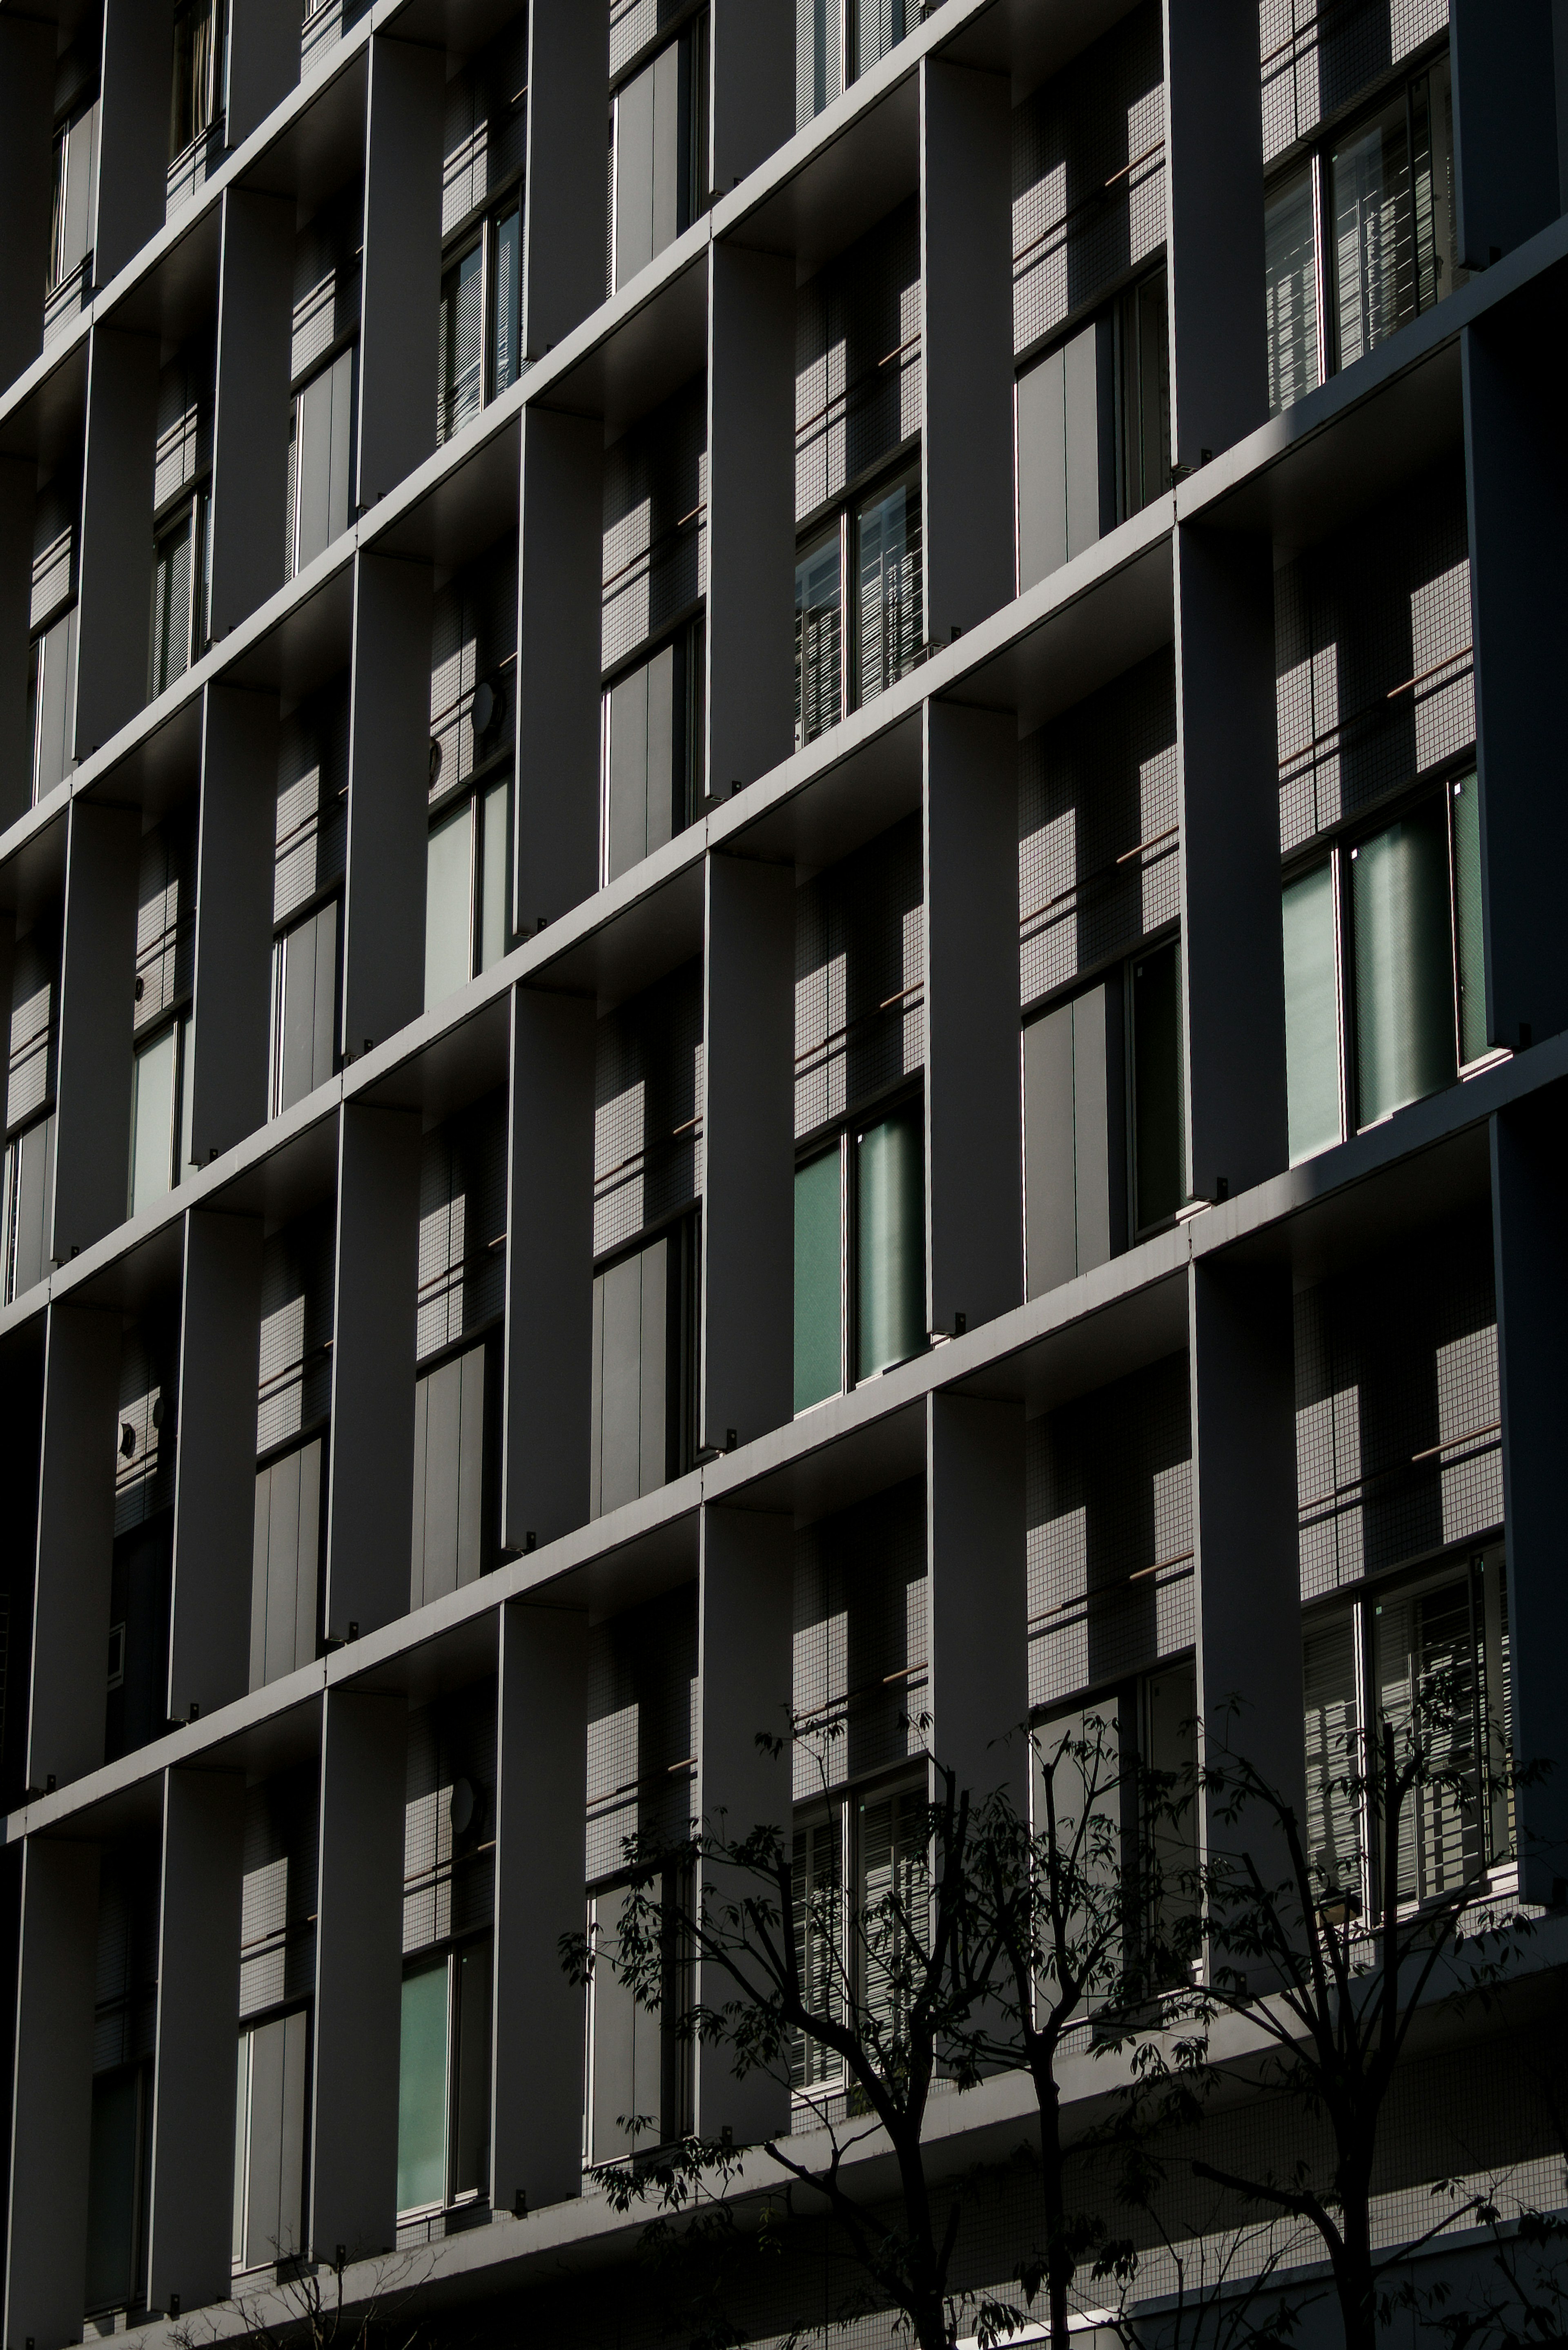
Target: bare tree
{"points": [[884, 1989], [1332, 1977], [306, 2309]]}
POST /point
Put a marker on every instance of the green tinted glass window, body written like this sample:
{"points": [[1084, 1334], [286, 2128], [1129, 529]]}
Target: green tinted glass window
{"points": [[890, 1241], [495, 873], [1468, 936], [152, 1119], [1404, 967], [422, 2091], [1311, 1013], [818, 1363]]}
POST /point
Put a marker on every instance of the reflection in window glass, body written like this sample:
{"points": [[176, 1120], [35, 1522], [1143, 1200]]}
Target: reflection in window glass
{"points": [[1311, 1013], [449, 876], [1404, 971], [508, 321], [887, 567], [890, 1243], [422, 2091], [1290, 242], [818, 1365], [461, 343], [1471, 951], [818, 639], [1374, 233], [154, 1083]]}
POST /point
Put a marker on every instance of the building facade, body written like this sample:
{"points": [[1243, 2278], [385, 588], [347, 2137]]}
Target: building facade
{"points": [[591, 1168]]}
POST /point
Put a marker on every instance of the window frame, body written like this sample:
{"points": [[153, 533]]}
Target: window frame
{"points": [[1313, 154], [1337, 846], [689, 635], [844, 1137], [840, 1807], [206, 108], [449, 1956], [191, 511], [1482, 1567], [843, 516], [473, 792]]}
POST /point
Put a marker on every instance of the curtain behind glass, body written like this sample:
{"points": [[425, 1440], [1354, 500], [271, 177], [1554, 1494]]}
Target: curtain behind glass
{"points": [[1404, 974], [1289, 248], [461, 344], [1311, 1013], [818, 641], [890, 1243], [449, 886], [887, 567], [422, 2091], [818, 1364], [152, 1119]]}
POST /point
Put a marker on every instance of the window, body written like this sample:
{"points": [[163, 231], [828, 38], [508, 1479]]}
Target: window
{"points": [[639, 2065], [179, 573], [874, 544], [482, 283], [51, 702], [455, 1512], [1160, 1136], [1093, 426], [838, 40], [305, 979], [653, 751], [1074, 1130], [860, 1255], [29, 1184], [116, 2175], [1359, 236], [161, 1098], [873, 1840], [1384, 985], [444, 2081], [285, 1599], [269, 2140], [468, 872], [644, 1369], [659, 150], [321, 459], [1433, 1654], [75, 193], [198, 83]]}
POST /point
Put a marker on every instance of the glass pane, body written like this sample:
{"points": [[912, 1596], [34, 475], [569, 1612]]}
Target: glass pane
{"points": [[1404, 975], [1161, 1182], [818, 1905], [818, 641], [1329, 1685], [1473, 1039], [172, 608], [890, 1243], [508, 297], [1311, 1013], [242, 2134], [1146, 392], [461, 343], [878, 27], [449, 882], [422, 2091], [1373, 244], [153, 1120], [470, 2154], [1289, 248], [185, 1068], [111, 2191], [494, 874], [818, 1363], [887, 567]]}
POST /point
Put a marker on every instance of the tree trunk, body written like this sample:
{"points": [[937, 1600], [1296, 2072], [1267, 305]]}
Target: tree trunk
{"points": [[1059, 2261], [1352, 2274]]}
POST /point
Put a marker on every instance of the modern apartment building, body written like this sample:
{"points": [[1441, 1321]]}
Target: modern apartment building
{"points": [[591, 1166]]}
